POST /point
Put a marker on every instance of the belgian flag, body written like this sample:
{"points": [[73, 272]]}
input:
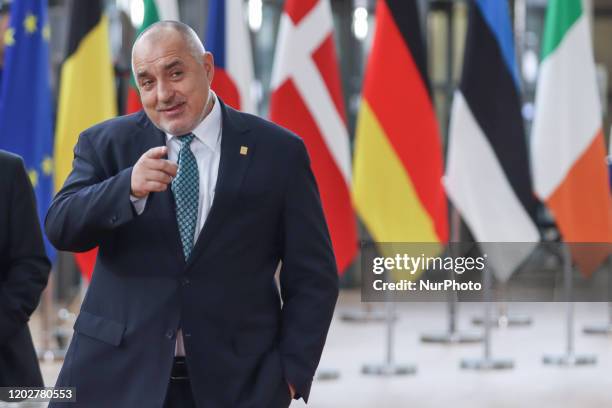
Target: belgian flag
{"points": [[87, 91], [398, 167]]}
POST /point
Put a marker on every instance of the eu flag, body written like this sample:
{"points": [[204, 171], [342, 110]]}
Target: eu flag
{"points": [[26, 122]]}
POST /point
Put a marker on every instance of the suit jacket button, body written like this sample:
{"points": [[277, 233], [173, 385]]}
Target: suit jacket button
{"points": [[170, 334], [185, 281], [113, 219]]}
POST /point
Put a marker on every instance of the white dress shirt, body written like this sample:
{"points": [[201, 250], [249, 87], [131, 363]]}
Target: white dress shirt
{"points": [[206, 147]]}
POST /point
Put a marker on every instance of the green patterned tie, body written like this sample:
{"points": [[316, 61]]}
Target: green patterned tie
{"points": [[186, 189]]}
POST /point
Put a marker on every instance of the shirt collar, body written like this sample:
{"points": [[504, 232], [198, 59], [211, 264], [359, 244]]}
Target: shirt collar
{"points": [[209, 129]]}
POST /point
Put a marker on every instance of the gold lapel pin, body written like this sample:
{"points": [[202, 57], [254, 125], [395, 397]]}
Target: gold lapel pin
{"points": [[244, 150]]}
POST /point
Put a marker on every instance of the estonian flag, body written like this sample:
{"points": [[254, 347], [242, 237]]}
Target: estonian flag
{"points": [[487, 171]]}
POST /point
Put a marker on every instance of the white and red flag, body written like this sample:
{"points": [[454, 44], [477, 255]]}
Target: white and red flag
{"points": [[307, 99]]}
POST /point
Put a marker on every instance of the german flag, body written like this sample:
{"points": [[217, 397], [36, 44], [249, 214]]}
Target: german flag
{"points": [[87, 91], [397, 186]]}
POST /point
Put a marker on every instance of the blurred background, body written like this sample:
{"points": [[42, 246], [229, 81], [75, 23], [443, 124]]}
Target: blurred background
{"points": [[366, 333]]}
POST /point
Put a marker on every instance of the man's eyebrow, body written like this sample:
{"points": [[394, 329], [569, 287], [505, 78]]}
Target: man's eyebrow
{"points": [[172, 64], [167, 67], [141, 74]]}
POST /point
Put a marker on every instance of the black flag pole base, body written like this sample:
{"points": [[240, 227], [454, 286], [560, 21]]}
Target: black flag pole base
{"points": [[505, 320], [388, 369], [598, 329], [570, 360], [327, 374], [451, 338], [486, 364]]}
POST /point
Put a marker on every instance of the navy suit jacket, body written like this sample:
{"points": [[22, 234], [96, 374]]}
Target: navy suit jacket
{"points": [[240, 343]]}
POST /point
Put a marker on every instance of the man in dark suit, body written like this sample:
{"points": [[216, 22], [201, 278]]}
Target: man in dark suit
{"points": [[183, 309], [24, 269]]}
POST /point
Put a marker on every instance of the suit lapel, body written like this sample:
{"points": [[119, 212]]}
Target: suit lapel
{"points": [[237, 148]]}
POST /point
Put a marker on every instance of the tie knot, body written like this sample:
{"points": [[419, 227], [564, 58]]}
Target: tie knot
{"points": [[186, 139]]}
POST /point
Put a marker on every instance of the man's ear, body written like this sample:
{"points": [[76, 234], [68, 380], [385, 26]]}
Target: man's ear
{"points": [[209, 66]]}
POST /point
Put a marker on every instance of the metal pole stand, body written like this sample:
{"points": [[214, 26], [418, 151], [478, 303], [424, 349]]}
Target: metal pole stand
{"points": [[503, 318], [389, 367], [452, 336], [604, 328], [367, 314], [569, 358], [47, 352], [327, 374], [487, 362]]}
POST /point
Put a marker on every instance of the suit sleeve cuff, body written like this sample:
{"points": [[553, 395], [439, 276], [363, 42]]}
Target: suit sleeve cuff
{"points": [[296, 377]]}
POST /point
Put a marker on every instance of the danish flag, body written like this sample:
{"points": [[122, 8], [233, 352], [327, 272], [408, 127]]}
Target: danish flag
{"points": [[307, 99]]}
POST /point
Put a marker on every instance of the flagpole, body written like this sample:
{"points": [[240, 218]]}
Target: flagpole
{"points": [[45, 352], [452, 336], [47, 321], [487, 362], [569, 358], [389, 367], [367, 313], [605, 328]]}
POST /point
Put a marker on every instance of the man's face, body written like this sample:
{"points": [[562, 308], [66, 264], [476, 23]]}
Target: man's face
{"points": [[174, 86]]}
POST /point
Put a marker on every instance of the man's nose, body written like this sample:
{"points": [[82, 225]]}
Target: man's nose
{"points": [[165, 92]]}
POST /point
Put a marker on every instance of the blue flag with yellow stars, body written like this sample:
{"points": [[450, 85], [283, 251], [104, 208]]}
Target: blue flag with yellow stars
{"points": [[26, 121]]}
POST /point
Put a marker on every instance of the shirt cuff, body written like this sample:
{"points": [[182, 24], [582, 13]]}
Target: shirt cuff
{"points": [[139, 203]]}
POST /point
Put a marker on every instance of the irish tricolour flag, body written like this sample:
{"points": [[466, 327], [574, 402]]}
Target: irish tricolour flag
{"points": [[568, 152]]}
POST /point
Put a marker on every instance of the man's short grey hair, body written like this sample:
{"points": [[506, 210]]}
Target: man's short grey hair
{"points": [[195, 46]]}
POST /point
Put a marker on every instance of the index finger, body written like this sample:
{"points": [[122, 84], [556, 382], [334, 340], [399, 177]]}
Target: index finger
{"points": [[156, 152], [167, 166]]}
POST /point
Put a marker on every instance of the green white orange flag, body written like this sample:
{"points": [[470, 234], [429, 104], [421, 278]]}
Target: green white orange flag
{"points": [[567, 145], [397, 187], [154, 11]]}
